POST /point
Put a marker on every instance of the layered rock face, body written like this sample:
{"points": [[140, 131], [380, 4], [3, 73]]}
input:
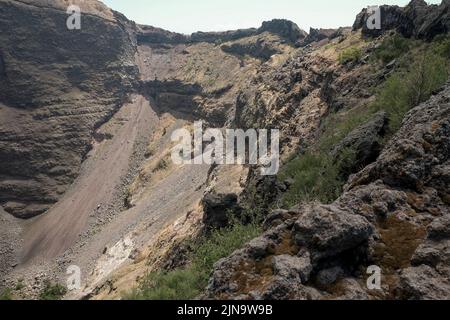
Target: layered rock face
{"points": [[417, 19], [56, 87], [283, 28], [394, 215]]}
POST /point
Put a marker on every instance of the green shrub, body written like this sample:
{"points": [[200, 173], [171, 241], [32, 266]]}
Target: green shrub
{"points": [[441, 46], [6, 295], [52, 291], [224, 242], [188, 283], [392, 48], [20, 285], [316, 177], [338, 125], [349, 55], [408, 88], [180, 284]]}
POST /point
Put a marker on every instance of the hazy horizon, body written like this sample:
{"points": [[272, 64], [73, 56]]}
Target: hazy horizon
{"points": [[208, 15]]}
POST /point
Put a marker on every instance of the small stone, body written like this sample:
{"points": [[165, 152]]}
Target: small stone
{"points": [[287, 266], [329, 276]]}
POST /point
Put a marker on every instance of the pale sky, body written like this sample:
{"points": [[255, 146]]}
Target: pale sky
{"points": [[187, 16]]}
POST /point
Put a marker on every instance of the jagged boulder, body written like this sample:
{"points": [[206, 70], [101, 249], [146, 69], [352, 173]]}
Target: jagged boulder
{"points": [[415, 157], [327, 231]]}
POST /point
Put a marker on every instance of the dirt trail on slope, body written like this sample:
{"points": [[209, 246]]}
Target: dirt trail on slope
{"points": [[109, 161]]}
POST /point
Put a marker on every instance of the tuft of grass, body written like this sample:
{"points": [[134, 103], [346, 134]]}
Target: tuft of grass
{"points": [[52, 291], [20, 285], [6, 295], [350, 55], [314, 178], [189, 282], [162, 165]]}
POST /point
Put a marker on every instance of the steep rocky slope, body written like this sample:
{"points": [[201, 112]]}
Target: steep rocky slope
{"points": [[85, 126], [393, 214], [57, 87]]}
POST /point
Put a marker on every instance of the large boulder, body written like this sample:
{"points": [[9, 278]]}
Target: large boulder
{"points": [[424, 283], [415, 157], [327, 231]]}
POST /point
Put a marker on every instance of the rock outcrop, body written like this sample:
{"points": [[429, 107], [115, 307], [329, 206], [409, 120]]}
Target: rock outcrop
{"points": [[316, 35], [417, 19], [219, 209], [365, 143], [54, 96], [394, 214], [285, 29], [261, 47]]}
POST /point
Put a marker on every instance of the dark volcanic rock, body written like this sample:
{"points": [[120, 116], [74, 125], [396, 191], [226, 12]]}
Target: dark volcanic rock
{"points": [[152, 35], [258, 47], [218, 208], [327, 231], [414, 158], [316, 35], [416, 19], [424, 283], [287, 266], [218, 37], [284, 28], [364, 142]]}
